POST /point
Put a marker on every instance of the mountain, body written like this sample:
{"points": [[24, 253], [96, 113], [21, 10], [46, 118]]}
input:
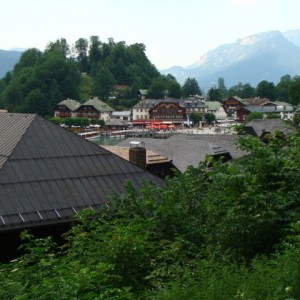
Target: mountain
{"points": [[293, 36], [264, 56], [8, 58]]}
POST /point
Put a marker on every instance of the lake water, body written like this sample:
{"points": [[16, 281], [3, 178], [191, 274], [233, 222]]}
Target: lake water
{"points": [[107, 140]]}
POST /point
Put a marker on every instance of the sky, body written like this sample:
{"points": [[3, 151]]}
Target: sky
{"points": [[175, 32]]}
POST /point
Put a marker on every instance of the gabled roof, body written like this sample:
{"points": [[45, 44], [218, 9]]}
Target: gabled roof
{"points": [[237, 99], [117, 122], [256, 101], [12, 128], [150, 103], [267, 109], [189, 150], [48, 173], [143, 92], [70, 104], [213, 105], [259, 127], [164, 102], [280, 104], [126, 113], [99, 105]]}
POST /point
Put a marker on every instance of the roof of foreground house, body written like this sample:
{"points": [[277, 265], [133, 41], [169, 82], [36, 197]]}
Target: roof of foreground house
{"points": [[47, 173]]}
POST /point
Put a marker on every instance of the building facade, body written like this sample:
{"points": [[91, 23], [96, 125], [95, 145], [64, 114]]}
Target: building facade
{"points": [[66, 108], [94, 109], [168, 113]]}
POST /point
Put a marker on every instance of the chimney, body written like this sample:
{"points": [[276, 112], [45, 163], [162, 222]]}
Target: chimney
{"points": [[137, 154]]}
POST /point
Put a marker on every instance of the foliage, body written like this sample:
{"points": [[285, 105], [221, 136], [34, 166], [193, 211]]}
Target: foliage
{"points": [[191, 87], [40, 79], [86, 87], [196, 118], [221, 87], [209, 118], [164, 86], [273, 116], [55, 74], [104, 83], [283, 88], [266, 89], [81, 122], [294, 90], [230, 231], [214, 94], [239, 128], [56, 120], [241, 90], [254, 116]]}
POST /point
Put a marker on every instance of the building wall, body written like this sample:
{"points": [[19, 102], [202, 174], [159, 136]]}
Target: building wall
{"points": [[168, 111]]}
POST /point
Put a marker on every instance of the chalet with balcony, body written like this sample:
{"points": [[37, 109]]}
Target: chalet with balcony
{"points": [[94, 109], [168, 112], [66, 108], [232, 105]]}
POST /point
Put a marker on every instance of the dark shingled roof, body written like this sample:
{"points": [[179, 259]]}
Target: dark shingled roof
{"points": [[190, 149], [259, 127], [47, 173]]}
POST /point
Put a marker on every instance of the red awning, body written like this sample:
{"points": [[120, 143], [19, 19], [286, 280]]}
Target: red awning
{"points": [[140, 122]]}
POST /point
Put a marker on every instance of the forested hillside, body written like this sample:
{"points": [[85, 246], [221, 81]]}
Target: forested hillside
{"points": [[114, 72], [42, 79]]}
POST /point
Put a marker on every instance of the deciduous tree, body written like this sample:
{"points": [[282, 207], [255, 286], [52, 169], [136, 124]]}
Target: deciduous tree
{"points": [[191, 87]]}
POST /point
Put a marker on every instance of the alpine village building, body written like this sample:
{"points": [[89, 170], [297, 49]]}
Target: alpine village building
{"points": [[174, 111]]}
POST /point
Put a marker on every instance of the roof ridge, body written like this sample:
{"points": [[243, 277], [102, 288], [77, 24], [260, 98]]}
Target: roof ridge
{"points": [[14, 145]]}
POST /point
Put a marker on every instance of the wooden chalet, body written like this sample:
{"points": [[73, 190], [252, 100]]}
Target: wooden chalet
{"points": [[94, 109], [66, 108], [233, 104], [168, 112]]}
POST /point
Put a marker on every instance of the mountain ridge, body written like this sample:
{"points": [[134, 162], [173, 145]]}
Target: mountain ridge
{"points": [[8, 58], [267, 55]]}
